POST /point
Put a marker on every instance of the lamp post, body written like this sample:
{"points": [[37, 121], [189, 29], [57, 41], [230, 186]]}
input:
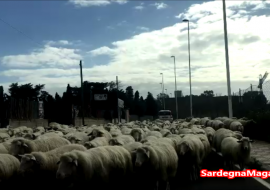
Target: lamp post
{"points": [[176, 104], [166, 91], [186, 20], [227, 61], [163, 91]]}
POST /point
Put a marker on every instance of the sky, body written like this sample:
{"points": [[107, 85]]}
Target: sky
{"points": [[42, 42]]}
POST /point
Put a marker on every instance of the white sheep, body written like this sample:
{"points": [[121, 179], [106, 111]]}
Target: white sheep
{"points": [[101, 167], [185, 131], [236, 126], [210, 134], [217, 124], [227, 123], [96, 142], [43, 165], [190, 151], [157, 162], [4, 137], [197, 130], [236, 151], [22, 146], [126, 131], [9, 167], [165, 132], [221, 134], [121, 140], [99, 132], [153, 133], [49, 135], [77, 138]]}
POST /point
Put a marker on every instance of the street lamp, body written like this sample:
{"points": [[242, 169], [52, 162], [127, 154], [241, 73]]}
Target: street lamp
{"points": [[186, 20], [171, 94], [176, 104], [163, 91], [227, 61], [166, 91]]}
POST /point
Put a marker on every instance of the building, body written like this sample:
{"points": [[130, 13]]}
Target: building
{"points": [[178, 93]]}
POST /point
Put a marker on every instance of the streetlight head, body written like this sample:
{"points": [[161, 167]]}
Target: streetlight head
{"points": [[172, 56], [185, 20], [161, 73]]}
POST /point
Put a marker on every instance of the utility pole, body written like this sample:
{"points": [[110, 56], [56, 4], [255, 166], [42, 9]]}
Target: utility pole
{"points": [[82, 93], [117, 100], [227, 61]]}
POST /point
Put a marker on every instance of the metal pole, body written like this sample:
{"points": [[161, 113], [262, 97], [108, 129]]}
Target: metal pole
{"points": [[82, 93], [163, 92], [117, 100], [189, 73], [176, 104], [227, 61]]}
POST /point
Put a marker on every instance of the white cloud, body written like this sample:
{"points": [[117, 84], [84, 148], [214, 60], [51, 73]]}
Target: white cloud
{"points": [[142, 28], [44, 57], [90, 3], [160, 5], [60, 42], [139, 7], [138, 61]]}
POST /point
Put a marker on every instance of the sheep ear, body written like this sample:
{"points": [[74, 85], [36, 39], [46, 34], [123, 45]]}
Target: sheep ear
{"points": [[239, 141], [25, 145], [33, 158], [58, 162], [75, 162], [147, 151]]}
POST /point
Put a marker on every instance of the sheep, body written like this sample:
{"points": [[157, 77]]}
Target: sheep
{"points": [[148, 138], [185, 131], [195, 121], [126, 131], [209, 123], [132, 146], [236, 151], [22, 146], [5, 146], [236, 126], [217, 124], [9, 167], [39, 129], [227, 123], [157, 161], [204, 121], [190, 151], [100, 167], [49, 135], [78, 138], [43, 165], [165, 132], [153, 133], [206, 144], [99, 141], [99, 133], [121, 140], [210, 134], [115, 132], [221, 134], [4, 137], [197, 130]]}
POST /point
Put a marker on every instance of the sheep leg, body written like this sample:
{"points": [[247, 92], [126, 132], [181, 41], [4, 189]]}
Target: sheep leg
{"points": [[162, 185]]}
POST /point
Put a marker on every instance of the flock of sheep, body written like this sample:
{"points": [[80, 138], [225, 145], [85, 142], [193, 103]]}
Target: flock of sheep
{"points": [[145, 155]]}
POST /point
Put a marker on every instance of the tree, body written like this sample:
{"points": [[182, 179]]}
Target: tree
{"points": [[137, 103], [142, 107], [27, 91], [208, 93], [160, 97], [151, 105], [130, 99]]}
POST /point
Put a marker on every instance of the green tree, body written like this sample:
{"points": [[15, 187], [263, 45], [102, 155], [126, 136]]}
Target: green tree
{"points": [[142, 107], [130, 99], [137, 103], [151, 105], [208, 93]]}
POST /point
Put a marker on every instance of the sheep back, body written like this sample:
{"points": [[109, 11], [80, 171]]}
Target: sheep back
{"points": [[9, 166]]}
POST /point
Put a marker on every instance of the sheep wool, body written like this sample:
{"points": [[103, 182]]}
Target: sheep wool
{"points": [[236, 151], [46, 162], [121, 140], [22, 146], [99, 141], [137, 134], [101, 166], [9, 166]]}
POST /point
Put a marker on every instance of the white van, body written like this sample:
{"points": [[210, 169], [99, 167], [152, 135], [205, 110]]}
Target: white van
{"points": [[165, 115]]}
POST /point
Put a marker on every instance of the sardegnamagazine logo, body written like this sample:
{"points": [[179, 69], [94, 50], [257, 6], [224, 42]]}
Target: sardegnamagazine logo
{"points": [[233, 174]]}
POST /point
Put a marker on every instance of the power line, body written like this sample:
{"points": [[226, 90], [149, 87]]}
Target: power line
{"points": [[22, 33]]}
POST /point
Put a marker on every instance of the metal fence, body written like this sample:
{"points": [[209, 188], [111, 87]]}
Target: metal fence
{"points": [[265, 89]]}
